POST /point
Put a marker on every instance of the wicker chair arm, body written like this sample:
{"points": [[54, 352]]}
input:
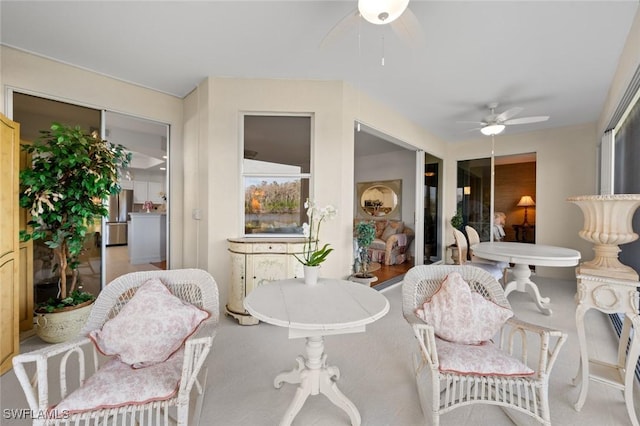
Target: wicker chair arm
{"points": [[196, 349], [51, 350], [427, 343], [551, 340], [36, 388]]}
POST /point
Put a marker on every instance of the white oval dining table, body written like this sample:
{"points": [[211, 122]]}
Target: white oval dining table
{"points": [[522, 255], [331, 306]]}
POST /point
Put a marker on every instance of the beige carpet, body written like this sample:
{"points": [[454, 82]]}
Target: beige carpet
{"points": [[376, 373]]}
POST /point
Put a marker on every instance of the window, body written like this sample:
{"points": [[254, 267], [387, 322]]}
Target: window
{"points": [[276, 173]]}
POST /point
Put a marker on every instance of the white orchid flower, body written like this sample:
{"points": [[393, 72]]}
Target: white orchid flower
{"points": [[305, 230]]}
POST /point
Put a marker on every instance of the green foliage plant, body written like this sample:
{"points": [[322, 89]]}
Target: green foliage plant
{"points": [[71, 176], [365, 234], [456, 220]]}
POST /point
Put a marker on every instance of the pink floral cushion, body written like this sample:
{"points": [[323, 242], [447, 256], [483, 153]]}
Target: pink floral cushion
{"points": [[117, 384], [483, 359], [150, 327], [459, 315]]}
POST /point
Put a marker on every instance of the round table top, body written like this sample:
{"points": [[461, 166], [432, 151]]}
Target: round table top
{"points": [[331, 304], [530, 254]]}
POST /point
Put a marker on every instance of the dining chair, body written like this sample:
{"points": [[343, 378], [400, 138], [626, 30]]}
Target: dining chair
{"points": [[474, 238], [457, 312], [463, 248], [138, 358]]}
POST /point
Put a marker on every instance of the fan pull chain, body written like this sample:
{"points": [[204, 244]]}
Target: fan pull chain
{"points": [[382, 62]]}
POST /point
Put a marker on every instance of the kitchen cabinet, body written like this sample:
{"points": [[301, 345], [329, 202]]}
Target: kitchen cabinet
{"points": [[147, 191], [126, 184], [256, 261], [147, 241]]}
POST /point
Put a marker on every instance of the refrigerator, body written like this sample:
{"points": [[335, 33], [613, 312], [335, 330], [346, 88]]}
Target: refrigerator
{"points": [[120, 206]]}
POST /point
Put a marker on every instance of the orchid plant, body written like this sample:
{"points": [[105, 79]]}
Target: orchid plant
{"points": [[312, 255]]}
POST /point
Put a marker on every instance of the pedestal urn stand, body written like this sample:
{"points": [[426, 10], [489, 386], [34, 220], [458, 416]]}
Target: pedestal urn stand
{"points": [[609, 286]]}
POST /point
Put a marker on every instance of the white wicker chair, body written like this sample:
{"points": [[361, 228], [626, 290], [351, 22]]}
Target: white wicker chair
{"points": [[192, 285], [441, 392]]}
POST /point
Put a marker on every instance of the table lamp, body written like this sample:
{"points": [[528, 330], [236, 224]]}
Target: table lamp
{"points": [[526, 201]]}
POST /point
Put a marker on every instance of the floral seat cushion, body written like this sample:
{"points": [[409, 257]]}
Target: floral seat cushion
{"points": [[117, 384], [485, 359]]}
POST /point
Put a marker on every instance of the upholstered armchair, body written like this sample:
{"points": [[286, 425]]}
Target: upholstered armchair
{"points": [[392, 242]]}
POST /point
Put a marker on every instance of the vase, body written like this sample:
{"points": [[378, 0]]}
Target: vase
{"points": [[311, 274], [608, 224]]}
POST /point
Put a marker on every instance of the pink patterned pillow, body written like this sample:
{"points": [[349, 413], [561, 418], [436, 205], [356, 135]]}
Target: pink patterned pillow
{"points": [[483, 359], [150, 327], [116, 384], [459, 315]]}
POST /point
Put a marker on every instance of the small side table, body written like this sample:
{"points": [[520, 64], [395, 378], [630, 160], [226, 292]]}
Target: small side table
{"points": [[609, 296], [522, 233]]}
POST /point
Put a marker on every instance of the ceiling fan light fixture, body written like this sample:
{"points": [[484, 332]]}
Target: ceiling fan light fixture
{"points": [[492, 129], [382, 12]]}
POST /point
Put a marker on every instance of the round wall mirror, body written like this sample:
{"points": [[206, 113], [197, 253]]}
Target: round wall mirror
{"points": [[379, 199]]}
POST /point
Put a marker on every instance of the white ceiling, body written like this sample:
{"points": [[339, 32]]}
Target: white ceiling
{"points": [[553, 58]]}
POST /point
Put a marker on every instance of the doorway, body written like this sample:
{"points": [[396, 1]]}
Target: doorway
{"points": [[35, 113], [378, 160], [514, 194]]}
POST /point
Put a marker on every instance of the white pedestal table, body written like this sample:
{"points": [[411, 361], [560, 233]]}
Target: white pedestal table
{"points": [[329, 307], [522, 255]]}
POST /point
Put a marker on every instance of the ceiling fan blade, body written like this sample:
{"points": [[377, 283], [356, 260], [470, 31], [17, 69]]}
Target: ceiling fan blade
{"points": [[408, 29], [526, 120], [340, 30], [482, 123], [508, 114]]}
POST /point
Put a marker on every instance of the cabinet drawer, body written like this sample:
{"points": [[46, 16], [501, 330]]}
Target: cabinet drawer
{"points": [[270, 248], [296, 248]]}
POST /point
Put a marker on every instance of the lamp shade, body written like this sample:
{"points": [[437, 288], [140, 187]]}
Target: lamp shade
{"points": [[381, 12], [526, 201], [492, 129]]}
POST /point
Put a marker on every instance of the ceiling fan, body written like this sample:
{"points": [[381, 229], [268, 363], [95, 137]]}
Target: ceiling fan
{"points": [[394, 13], [494, 124]]}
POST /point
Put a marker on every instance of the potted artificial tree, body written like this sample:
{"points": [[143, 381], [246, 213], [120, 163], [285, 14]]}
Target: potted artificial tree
{"points": [[365, 234], [71, 176]]}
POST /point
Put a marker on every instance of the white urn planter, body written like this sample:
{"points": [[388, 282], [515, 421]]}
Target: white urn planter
{"points": [[608, 224], [58, 327]]}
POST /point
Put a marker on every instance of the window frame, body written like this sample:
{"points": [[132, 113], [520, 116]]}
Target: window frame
{"points": [[266, 176]]}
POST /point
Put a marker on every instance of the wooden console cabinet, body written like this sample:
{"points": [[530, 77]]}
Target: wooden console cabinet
{"points": [[255, 261]]}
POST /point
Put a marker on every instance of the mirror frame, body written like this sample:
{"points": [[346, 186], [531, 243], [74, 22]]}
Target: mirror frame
{"points": [[393, 185]]}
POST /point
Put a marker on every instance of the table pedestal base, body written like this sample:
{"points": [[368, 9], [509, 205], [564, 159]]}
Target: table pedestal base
{"points": [[314, 376], [523, 283]]}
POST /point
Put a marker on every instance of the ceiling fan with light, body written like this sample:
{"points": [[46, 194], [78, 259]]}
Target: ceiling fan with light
{"points": [[394, 13], [494, 124]]}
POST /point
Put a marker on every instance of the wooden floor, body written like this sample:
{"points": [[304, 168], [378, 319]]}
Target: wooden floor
{"points": [[387, 272]]}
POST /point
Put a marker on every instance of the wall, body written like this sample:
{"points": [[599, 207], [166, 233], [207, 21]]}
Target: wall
{"points": [[627, 65], [38, 76], [213, 135], [566, 166]]}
